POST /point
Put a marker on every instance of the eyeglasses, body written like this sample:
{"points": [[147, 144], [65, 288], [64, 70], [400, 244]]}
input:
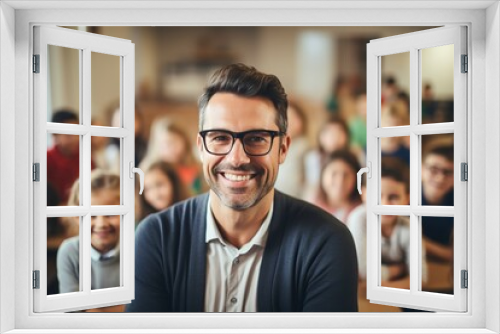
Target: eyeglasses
{"points": [[255, 142], [434, 170]]}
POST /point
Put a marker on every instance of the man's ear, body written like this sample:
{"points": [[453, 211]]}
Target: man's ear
{"points": [[284, 146], [199, 144]]}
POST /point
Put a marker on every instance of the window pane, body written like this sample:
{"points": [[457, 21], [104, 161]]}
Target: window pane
{"points": [[63, 169], [105, 177], [105, 90], [437, 84], [437, 238], [437, 170], [63, 86], [395, 99], [105, 252], [395, 251], [63, 255], [394, 179]]}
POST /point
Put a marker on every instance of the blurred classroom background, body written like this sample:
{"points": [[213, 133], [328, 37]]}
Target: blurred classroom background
{"points": [[323, 70]]}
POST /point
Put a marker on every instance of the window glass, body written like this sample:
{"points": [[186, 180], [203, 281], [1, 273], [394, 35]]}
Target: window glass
{"points": [[105, 90], [63, 85], [437, 175], [437, 84], [63, 170], [395, 251], [105, 251], [395, 98], [437, 241], [63, 255]]}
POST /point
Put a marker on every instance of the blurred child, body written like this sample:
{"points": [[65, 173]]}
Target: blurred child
{"points": [[105, 155], [139, 143], [170, 143], [333, 135], [63, 158], [105, 239], [396, 114], [337, 192], [162, 188], [437, 189], [395, 230], [291, 176]]}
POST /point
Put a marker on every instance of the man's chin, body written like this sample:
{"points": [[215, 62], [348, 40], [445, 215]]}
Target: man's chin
{"points": [[238, 205]]}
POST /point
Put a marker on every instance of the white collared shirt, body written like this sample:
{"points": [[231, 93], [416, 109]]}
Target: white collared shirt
{"points": [[98, 256], [232, 274]]}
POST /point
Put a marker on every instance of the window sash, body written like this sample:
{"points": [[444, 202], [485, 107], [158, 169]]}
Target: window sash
{"points": [[413, 42], [86, 43]]}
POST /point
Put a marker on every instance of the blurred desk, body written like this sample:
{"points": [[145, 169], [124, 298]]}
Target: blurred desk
{"points": [[364, 304], [439, 277]]}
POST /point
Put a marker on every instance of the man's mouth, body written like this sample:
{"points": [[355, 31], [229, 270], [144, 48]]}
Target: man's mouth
{"points": [[238, 177]]}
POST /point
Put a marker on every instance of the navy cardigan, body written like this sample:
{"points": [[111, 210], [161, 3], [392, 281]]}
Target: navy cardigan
{"points": [[309, 263]]}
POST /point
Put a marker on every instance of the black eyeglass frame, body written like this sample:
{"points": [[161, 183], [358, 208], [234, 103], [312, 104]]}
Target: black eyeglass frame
{"points": [[240, 135]]}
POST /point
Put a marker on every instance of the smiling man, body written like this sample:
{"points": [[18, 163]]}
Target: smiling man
{"points": [[244, 247]]}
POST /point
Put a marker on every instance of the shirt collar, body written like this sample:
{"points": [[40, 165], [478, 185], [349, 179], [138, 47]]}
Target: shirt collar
{"points": [[98, 256], [259, 239]]}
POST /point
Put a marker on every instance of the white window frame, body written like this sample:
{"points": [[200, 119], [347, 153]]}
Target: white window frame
{"points": [[413, 43], [86, 44], [484, 104]]}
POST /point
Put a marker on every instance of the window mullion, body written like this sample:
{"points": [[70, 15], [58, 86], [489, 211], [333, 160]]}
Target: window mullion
{"points": [[415, 243], [85, 170]]}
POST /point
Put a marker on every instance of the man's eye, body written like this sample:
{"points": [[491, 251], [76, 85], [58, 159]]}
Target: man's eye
{"points": [[256, 139], [220, 139]]}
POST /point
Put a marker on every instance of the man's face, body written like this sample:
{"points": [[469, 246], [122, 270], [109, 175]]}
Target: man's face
{"points": [[241, 181], [393, 192], [437, 177]]}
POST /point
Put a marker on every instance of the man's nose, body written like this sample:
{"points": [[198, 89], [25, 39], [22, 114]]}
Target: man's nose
{"points": [[237, 156]]}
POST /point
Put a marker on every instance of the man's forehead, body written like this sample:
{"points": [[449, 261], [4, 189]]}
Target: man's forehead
{"points": [[236, 109]]}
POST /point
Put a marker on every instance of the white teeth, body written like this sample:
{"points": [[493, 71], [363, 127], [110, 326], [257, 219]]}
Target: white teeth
{"points": [[233, 177]]}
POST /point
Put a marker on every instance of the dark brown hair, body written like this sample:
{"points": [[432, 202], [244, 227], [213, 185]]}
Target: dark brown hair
{"points": [[445, 151], [246, 81], [397, 170], [350, 159], [179, 191]]}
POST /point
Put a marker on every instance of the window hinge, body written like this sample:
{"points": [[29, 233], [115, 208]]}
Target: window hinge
{"points": [[465, 279], [36, 63], [465, 64], [464, 171], [36, 279], [36, 172]]}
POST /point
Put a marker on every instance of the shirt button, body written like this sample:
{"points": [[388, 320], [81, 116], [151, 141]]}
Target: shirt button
{"points": [[237, 260], [234, 300]]}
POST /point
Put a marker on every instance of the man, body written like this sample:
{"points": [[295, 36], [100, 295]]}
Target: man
{"points": [[244, 247], [437, 189]]}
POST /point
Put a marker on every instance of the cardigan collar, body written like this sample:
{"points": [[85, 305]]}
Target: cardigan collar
{"points": [[197, 267]]}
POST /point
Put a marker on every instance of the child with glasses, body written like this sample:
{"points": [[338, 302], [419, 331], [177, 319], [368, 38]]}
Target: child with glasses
{"points": [[437, 189]]}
